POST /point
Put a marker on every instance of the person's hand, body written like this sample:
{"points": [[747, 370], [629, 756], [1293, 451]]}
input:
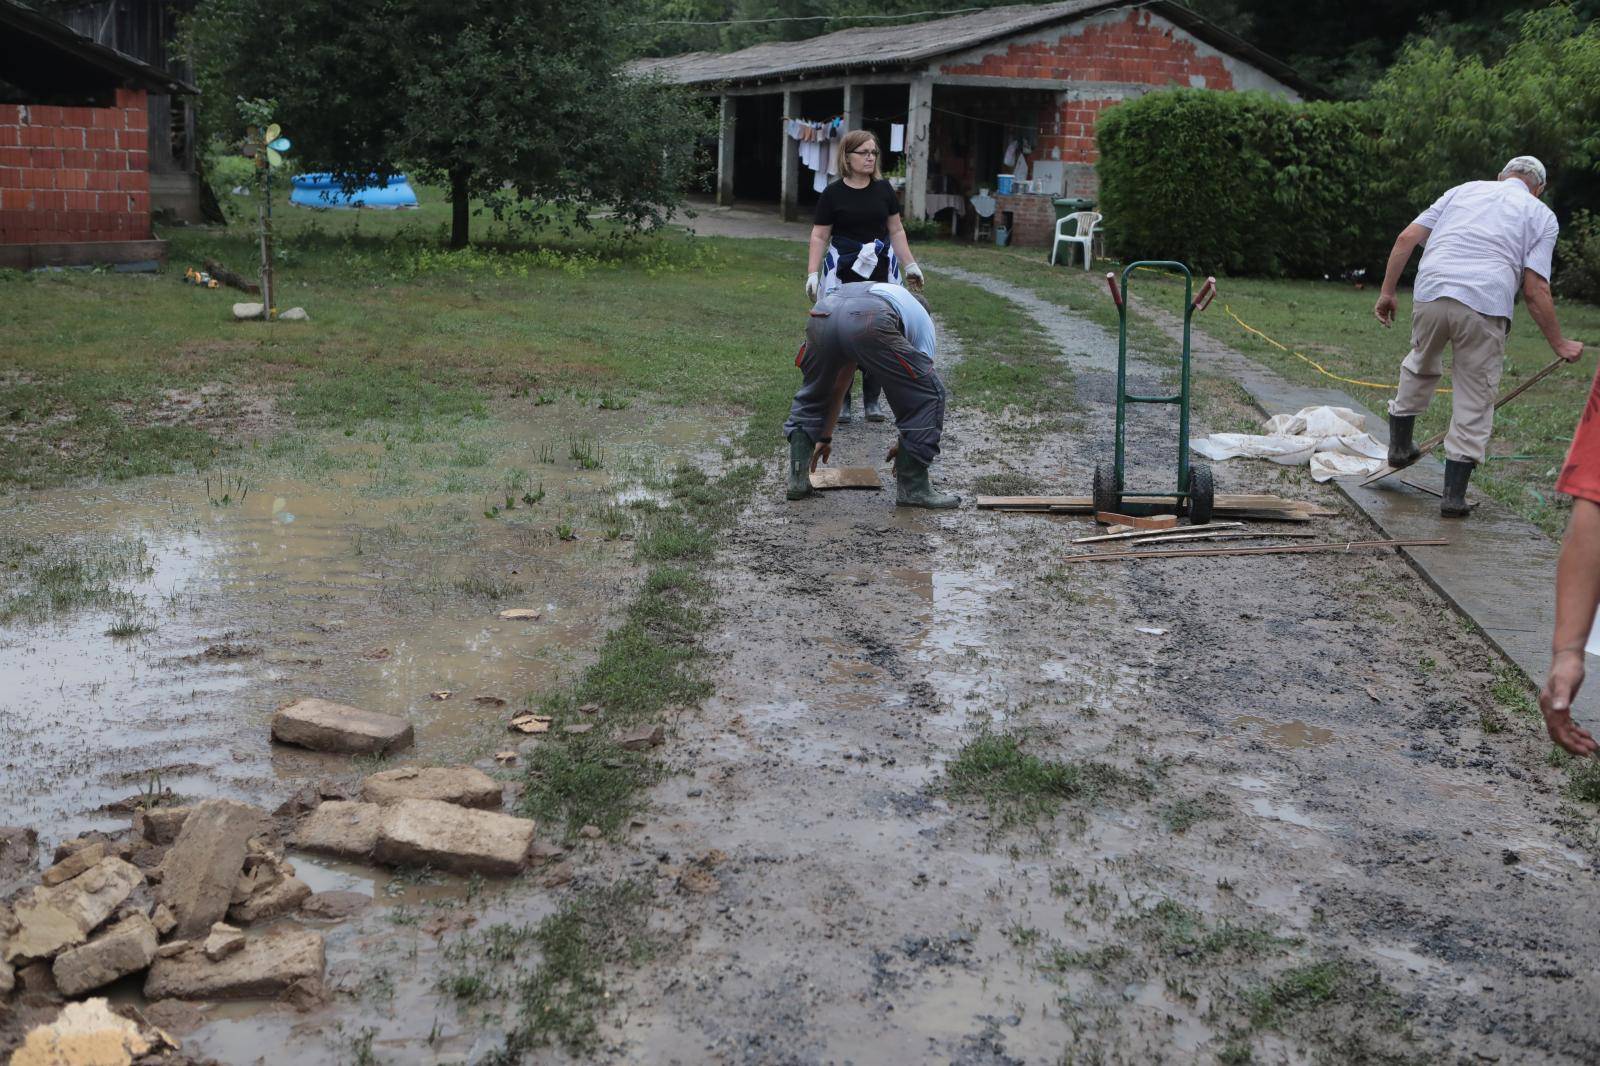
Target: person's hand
{"points": [[894, 450], [1555, 702], [1383, 310], [820, 453], [1571, 351], [813, 283], [914, 278]]}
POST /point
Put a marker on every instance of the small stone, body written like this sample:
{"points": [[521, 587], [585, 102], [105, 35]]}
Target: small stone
{"points": [[701, 882], [530, 723], [74, 864], [282, 898], [174, 947], [322, 725], [303, 801], [174, 1016], [342, 828], [646, 736], [441, 695], [160, 825], [335, 906], [520, 614], [125, 948], [37, 980], [419, 832], [224, 940], [695, 793], [306, 994], [243, 312], [590, 832], [506, 758], [266, 966], [578, 727], [294, 314], [461, 785], [163, 919], [589, 708], [18, 853], [557, 875]]}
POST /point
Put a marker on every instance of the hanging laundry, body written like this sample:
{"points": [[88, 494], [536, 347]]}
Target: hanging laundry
{"points": [[1011, 154], [817, 145], [897, 137]]}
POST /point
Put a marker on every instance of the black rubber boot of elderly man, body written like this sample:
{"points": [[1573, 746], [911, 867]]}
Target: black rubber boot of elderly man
{"points": [[1456, 474], [1402, 452]]}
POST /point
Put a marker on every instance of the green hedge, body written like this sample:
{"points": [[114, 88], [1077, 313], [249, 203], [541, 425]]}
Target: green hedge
{"points": [[1246, 183]]}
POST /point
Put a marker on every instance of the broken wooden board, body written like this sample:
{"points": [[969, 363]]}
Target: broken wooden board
{"points": [[845, 477], [1160, 521], [1264, 507], [1267, 549], [1175, 532], [1204, 534]]}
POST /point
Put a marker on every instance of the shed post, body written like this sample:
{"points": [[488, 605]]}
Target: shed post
{"points": [[789, 172], [851, 112], [727, 110], [919, 116]]}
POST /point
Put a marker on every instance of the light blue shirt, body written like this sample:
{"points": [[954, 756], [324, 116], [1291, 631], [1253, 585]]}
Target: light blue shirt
{"points": [[917, 322]]}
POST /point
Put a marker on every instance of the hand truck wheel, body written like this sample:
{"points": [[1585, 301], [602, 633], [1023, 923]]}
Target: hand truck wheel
{"points": [[1107, 489], [1202, 494]]}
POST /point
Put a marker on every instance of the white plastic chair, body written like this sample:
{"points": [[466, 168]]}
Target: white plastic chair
{"points": [[983, 206], [1086, 221]]}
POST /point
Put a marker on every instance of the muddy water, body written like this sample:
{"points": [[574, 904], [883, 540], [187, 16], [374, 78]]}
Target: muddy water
{"points": [[359, 569]]}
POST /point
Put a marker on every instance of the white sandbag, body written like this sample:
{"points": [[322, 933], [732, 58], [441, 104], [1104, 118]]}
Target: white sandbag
{"points": [[1286, 451], [1333, 440], [1325, 465]]}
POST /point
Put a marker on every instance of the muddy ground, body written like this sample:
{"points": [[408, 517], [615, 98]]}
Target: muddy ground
{"points": [[1301, 826]]}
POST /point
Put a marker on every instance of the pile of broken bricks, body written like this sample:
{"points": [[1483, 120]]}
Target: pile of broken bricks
{"points": [[199, 898]]}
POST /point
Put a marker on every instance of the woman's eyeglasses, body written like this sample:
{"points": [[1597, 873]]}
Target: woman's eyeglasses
{"points": [[872, 152]]}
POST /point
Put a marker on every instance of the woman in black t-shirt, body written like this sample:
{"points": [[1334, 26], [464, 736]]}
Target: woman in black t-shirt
{"points": [[858, 236]]}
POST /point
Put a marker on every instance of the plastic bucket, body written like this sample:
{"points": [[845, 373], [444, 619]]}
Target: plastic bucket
{"points": [[1001, 235], [1003, 185]]}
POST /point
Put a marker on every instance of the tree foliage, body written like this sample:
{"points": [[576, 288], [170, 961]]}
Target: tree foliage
{"points": [[524, 105]]}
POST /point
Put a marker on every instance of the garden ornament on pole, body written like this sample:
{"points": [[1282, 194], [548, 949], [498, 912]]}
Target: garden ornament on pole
{"points": [[265, 146]]}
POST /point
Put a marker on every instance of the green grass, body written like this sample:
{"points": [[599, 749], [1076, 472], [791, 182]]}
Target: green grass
{"points": [[1180, 930], [38, 582], [1184, 814], [1299, 989], [1018, 365], [1022, 787]]}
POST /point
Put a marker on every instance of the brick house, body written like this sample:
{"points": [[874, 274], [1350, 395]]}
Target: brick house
{"points": [[74, 147], [964, 89]]}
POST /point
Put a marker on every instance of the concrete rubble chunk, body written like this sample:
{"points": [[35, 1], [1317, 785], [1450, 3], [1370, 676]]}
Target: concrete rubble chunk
{"points": [[163, 919], [265, 966], [646, 736], [294, 314], [416, 832], [223, 940], [8, 979], [243, 312], [323, 725], [74, 864], [38, 982], [461, 785], [282, 898], [160, 825], [113, 846], [89, 1034], [335, 906], [53, 919], [202, 868], [342, 828], [127, 947]]}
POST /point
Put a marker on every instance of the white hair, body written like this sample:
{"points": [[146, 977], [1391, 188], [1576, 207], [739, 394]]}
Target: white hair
{"points": [[1525, 166]]}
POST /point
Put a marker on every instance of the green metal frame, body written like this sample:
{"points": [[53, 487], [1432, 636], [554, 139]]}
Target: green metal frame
{"points": [[1181, 399]]}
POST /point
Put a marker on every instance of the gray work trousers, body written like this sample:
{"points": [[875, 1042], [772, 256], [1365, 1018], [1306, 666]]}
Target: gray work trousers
{"points": [[852, 325]]}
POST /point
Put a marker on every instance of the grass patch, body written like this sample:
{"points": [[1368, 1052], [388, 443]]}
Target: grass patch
{"points": [[1302, 988], [38, 583], [1009, 483], [1010, 363], [1185, 813], [1022, 787], [1180, 930], [1512, 693]]}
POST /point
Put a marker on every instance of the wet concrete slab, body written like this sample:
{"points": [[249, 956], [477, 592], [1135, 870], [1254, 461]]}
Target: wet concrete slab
{"points": [[1499, 569]]}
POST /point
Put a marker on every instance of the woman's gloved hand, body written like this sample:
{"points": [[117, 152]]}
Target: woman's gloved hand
{"points": [[914, 279], [813, 283]]}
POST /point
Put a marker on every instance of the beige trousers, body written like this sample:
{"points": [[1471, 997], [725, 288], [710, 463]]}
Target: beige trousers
{"points": [[1478, 347]]}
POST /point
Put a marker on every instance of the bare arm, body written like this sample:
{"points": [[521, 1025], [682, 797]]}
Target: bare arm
{"points": [[1536, 294], [1399, 256], [897, 241], [1577, 593], [841, 385], [820, 236]]}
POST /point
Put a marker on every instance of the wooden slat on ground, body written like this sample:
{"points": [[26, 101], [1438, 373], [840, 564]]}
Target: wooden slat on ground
{"points": [[845, 477]]}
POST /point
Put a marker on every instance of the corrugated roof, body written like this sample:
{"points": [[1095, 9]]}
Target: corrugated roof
{"points": [[899, 45]]}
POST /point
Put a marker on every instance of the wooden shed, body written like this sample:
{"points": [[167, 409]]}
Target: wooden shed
{"points": [[967, 93], [74, 146]]}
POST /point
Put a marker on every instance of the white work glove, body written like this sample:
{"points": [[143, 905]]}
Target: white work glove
{"points": [[813, 283], [914, 278]]}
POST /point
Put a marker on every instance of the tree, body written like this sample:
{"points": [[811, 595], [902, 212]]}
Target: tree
{"points": [[524, 105]]}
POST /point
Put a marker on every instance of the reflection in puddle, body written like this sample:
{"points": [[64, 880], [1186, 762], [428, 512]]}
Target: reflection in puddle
{"points": [[1285, 734], [381, 588]]}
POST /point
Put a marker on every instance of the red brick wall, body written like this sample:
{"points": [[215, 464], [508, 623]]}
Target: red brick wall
{"points": [[75, 173], [1137, 50]]}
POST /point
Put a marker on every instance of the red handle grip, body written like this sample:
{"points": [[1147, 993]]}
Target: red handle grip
{"points": [[1207, 293], [1111, 283]]}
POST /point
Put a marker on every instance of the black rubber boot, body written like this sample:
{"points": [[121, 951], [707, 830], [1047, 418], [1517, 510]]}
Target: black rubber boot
{"points": [[913, 489], [846, 415], [800, 448], [872, 410], [1456, 474], [1402, 452]]}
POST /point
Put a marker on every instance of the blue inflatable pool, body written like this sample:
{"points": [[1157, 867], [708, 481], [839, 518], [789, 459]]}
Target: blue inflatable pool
{"points": [[321, 190]]}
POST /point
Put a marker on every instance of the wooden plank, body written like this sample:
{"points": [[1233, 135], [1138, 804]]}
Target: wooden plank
{"points": [[1267, 549], [1253, 534], [1160, 534], [1085, 505], [845, 477], [1111, 518]]}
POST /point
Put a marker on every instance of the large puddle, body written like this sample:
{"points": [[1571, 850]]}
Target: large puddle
{"points": [[368, 569]]}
